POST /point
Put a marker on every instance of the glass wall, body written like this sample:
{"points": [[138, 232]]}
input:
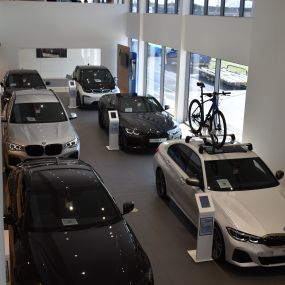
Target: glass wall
{"points": [[151, 6], [214, 7], [160, 6], [172, 7], [153, 70], [218, 75], [198, 7], [134, 47], [134, 6], [232, 8], [169, 90], [248, 8]]}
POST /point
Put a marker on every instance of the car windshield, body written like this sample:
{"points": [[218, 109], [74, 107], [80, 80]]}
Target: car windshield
{"points": [[95, 76], [30, 113], [238, 174], [139, 105], [68, 199], [25, 80]]}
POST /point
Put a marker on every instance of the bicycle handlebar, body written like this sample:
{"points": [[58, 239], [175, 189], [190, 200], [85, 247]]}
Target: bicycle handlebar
{"points": [[211, 94]]}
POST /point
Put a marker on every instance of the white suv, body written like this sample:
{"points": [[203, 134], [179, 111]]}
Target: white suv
{"points": [[92, 82], [249, 201]]}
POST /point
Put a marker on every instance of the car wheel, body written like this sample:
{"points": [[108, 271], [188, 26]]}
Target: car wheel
{"points": [[160, 184], [78, 100], [100, 120], [218, 249]]}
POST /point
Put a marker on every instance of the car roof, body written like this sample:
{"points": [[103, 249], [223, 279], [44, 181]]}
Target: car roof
{"points": [[92, 67], [22, 71], [35, 95], [228, 151]]}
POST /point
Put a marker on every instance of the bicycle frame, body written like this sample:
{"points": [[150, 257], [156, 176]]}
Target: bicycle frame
{"points": [[214, 107]]}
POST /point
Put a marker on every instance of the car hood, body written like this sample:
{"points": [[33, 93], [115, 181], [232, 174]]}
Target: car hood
{"points": [[104, 255], [25, 134], [99, 86], [160, 121], [257, 212]]}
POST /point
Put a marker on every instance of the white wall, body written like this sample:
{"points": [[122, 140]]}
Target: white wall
{"points": [[265, 102], [25, 25], [58, 67]]}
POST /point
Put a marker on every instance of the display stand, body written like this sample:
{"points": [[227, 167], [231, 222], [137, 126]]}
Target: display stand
{"points": [[72, 94], [205, 228], [113, 130]]}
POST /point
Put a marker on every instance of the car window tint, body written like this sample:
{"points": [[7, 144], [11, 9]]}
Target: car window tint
{"points": [[93, 76], [239, 174], [180, 154], [69, 198], [25, 80], [29, 113], [193, 167], [138, 104]]}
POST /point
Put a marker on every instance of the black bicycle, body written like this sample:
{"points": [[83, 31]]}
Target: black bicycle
{"points": [[214, 121]]}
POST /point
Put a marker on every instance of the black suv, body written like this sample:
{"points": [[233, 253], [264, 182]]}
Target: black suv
{"points": [[19, 79], [68, 229]]}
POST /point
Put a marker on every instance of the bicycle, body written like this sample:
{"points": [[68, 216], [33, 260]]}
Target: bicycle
{"points": [[214, 121]]}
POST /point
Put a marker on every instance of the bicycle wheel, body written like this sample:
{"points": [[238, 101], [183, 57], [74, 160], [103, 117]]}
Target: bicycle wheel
{"points": [[194, 116], [218, 129]]}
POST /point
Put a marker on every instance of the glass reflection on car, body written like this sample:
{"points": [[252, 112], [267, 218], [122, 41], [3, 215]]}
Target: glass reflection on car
{"points": [[239, 174], [139, 105], [93, 76], [28, 113], [62, 207], [26, 80]]}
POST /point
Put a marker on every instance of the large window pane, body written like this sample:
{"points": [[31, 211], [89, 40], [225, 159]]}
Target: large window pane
{"points": [[153, 72], [198, 7], [171, 7], [248, 8], [160, 6], [134, 6], [214, 7], [232, 7], [233, 78], [170, 79], [151, 6], [135, 48], [202, 68]]}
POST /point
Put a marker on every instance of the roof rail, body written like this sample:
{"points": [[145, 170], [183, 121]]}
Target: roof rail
{"points": [[205, 137]]}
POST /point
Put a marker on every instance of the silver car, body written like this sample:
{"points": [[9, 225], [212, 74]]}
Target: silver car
{"points": [[35, 125]]}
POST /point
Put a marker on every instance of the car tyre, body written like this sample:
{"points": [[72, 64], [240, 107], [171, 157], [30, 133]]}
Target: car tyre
{"points": [[78, 100], [218, 249], [160, 184]]}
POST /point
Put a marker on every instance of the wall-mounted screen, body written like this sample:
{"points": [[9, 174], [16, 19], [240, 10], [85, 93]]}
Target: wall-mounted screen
{"points": [[51, 52]]}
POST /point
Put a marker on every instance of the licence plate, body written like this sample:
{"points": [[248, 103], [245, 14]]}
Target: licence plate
{"points": [[157, 140]]}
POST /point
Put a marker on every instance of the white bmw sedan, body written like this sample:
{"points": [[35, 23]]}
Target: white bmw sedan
{"points": [[249, 201]]}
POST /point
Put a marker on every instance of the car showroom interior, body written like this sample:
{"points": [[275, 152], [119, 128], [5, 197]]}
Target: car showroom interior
{"points": [[142, 142]]}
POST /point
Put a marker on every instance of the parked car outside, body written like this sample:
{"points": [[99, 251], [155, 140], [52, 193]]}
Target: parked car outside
{"points": [[144, 123], [68, 229], [92, 82], [248, 199], [35, 125], [20, 79]]}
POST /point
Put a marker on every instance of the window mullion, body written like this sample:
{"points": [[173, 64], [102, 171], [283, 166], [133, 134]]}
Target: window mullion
{"points": [[222, 12], [241, 8], [162, 74], [206, 3]]}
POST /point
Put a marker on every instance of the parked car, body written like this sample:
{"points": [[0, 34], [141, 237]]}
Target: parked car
{"points": [[143, 121], [68, 229], [19, 79], [248, 199], [35, 124], [92, 82]]}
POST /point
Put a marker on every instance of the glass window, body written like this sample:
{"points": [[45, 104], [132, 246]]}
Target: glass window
{"points": [[137, 104], [214, 7], [25, 80], [32, 113], [134, 6], [153, 72], [172, 6], [151, 6], [170, 79], [202, 68], [232, 7], [135, 48], [198, 7], [233, 78], [160, 6], [248, 8]]}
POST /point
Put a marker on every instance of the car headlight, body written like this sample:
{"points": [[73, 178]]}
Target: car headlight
{"points": [[134, 131], [244, 237], [116, 90], [71, 144], [15, 147]]}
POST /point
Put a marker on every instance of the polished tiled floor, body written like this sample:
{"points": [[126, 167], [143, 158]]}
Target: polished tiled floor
{"points": [[163, 231]]}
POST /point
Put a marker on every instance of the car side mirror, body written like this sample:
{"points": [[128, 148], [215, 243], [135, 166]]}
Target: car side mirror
{"points": [[47, 83], [166, 107], [128, 207], [9, 219], [72, 116], [279, 174], [193, 181]]}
